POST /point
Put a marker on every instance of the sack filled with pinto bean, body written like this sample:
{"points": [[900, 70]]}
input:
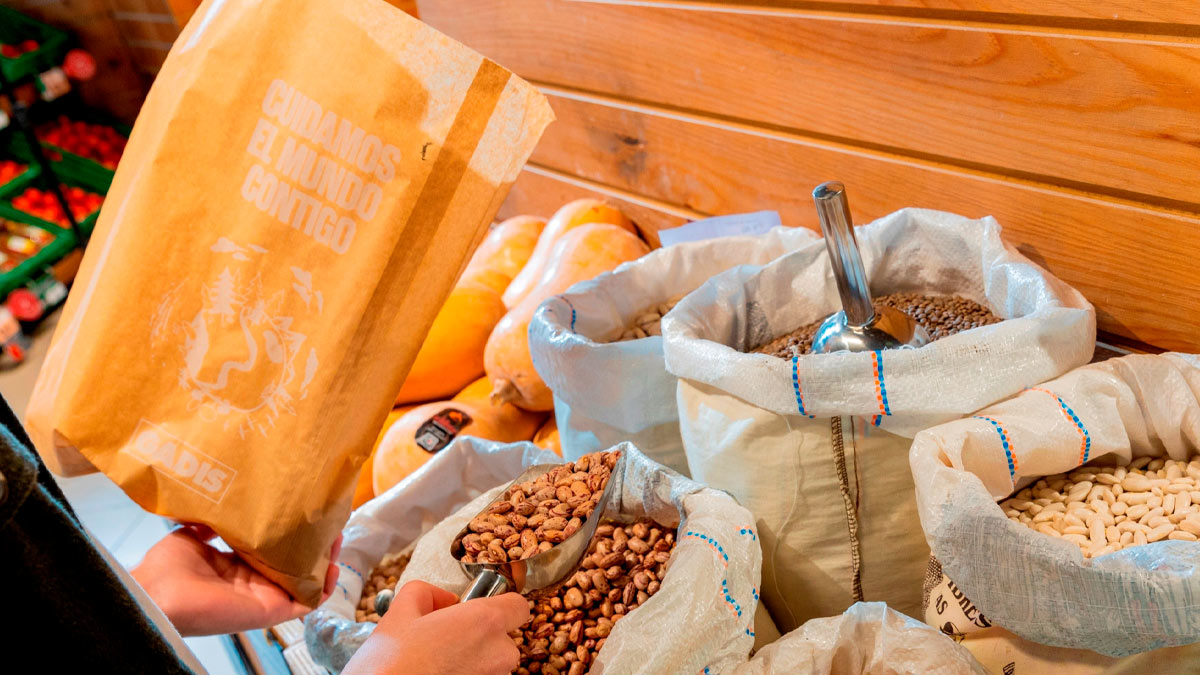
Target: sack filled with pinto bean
{"points": [[590, 343], [816, 446], [393, 522], [703, 613], [1117, 429]]}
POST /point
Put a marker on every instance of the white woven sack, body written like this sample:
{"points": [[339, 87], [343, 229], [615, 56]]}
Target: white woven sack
{"points": [[393, 521], [1039, 587], [768, 429], [701, 617], [608, 392], [867, 639]]}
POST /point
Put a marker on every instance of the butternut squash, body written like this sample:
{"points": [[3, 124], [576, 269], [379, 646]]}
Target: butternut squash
{"points": [[427, 429], [581, 254], [364, 490], [572, 215], [503, 252], [546, 438], [452, 355]]}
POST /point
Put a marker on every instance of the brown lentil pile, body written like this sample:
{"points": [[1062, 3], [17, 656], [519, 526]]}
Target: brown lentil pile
{"points": [[533, 516], [942, 316], [384, 576], [623, 568], [1103, 509], [648, 322]]}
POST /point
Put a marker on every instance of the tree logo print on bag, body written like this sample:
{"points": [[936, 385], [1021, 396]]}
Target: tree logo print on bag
{"points": [[242, 360]]}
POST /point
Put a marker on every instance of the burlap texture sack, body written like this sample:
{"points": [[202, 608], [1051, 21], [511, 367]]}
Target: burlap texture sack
{"points": [[303, 185], [866, 639], [704, 615], [816, 446], [570, 340], [1039, 587]]}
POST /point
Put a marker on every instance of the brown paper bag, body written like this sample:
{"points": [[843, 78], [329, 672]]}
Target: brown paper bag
{"points": [[304, 184]]}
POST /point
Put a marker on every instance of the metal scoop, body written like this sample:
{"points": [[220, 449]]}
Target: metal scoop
{"points": [[535, 572], [858, 327]]}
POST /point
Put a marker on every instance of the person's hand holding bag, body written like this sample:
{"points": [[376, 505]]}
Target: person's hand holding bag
{"points": [[426, 630], [204, 591]]}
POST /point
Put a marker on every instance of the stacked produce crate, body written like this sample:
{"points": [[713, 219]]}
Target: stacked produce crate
{"points": [[57, 160]]}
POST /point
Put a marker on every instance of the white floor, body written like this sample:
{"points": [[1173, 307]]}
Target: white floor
{"points": [[114, 520]]}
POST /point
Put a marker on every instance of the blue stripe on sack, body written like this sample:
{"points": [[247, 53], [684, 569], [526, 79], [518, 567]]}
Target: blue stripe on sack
{"points": [[885, 410], [356, 572], [1086, 438], [572, 311], [719, 550], [1008, 450], [796, 386]]}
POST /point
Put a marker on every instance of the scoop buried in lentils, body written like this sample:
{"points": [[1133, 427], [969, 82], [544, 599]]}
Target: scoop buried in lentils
{"points": [[941, 316]]}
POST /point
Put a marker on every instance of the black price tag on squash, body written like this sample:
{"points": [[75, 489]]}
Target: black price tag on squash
{"points": [[437, 431]]}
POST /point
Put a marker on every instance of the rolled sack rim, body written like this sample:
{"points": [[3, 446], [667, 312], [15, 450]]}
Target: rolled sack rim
{"points": [[848, 383]]}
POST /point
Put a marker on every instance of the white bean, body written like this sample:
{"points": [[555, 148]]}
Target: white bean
{"points": [[1105, 509]]}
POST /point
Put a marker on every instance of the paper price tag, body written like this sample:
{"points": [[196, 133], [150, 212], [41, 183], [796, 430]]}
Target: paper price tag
{"points": [[755, 223]]}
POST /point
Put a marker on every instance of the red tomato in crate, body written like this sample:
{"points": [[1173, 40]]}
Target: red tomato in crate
{"points": [[44, 204], [95, 141], [10, 170]]}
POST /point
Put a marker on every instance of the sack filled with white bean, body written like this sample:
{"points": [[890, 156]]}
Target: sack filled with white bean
{"points": [[597, 346], [1102, 557], [816, 445], [395, 520]]}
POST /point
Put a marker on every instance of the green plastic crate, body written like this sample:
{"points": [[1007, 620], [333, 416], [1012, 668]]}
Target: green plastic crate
{"points": [[75, 164], [97, 184], [21, 180], [53, 43], [63, 243]]}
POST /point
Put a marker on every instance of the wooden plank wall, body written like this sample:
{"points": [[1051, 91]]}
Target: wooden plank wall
{"points": [[1073, 122], [148, 29]]}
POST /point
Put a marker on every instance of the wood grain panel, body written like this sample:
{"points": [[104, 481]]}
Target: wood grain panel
{"points": [[539, 192], [1117, 113], [1179, 12], [147, 28], [1117, 253]]}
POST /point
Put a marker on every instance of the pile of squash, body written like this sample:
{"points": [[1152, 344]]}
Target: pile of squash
{"points": [[474, 374]]}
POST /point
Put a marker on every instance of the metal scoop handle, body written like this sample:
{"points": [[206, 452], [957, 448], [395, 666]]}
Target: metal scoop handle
{"points": [[538, 571], [834, 212], [487, 584]]}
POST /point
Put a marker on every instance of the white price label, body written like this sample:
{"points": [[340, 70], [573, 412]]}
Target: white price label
{"points": [[759, 222]]}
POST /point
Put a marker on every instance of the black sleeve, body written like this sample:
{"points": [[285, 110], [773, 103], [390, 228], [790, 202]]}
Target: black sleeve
{"points": [[67, 611]]}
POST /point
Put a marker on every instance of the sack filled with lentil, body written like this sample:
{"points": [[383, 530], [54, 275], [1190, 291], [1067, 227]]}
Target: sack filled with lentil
{"points": [[816, 445], [390, 524], [1093, 544], [867, 639], [703, 612], [590, 343]]}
